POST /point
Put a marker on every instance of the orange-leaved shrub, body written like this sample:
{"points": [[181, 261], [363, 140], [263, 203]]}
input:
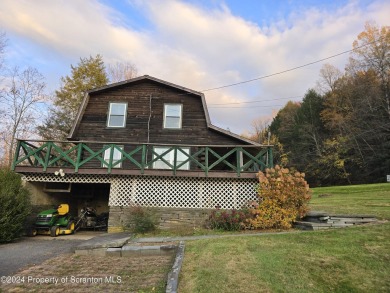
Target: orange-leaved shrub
{"points": [[283, 196]]}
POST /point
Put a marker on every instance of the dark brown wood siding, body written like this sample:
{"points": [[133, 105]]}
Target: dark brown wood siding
{"points": [[146, 101]]}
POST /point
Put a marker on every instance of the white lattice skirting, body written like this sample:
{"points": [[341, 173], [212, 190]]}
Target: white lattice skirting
{"points": [[169, 192]]}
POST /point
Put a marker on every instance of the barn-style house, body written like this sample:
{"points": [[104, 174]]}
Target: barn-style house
{"points": [[144, 142]]}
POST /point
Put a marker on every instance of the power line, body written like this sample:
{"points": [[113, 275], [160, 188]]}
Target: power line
{"points": [[291, 69], [221, 105], [263, 106], [255, 101]]}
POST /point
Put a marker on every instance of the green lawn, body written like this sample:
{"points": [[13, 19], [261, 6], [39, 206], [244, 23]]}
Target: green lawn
{"points": [[355, 259], [373, 199]]}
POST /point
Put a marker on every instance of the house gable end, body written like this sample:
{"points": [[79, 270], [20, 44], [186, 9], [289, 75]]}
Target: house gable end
{"points": [[145, 97]]}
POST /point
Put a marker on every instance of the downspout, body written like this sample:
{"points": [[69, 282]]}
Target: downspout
{"points": [[148, 138], [150, 116]]}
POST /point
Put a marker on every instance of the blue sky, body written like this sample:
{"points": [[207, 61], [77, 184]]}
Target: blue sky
{"points": [[198, 44]]}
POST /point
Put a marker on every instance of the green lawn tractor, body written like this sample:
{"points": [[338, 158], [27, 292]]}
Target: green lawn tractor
{"points": [[53, 222]]}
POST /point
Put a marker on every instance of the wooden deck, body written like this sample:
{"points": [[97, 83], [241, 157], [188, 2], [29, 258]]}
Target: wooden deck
{"points": [[220, 161]]}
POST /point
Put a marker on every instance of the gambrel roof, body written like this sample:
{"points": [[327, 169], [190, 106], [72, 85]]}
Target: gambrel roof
{"points": [[164, 83]]}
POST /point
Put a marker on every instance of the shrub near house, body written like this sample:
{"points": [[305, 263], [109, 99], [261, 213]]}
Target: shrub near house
{"points": [[283, 197], [228, 220], [14, 207]]}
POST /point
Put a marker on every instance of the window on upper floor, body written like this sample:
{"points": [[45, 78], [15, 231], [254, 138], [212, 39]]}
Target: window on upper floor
{"points": [[117, 115], [170, 157], [173, 116], [117, 155]]}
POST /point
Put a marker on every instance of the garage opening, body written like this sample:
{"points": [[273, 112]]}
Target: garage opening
{"points": [[93, 195], [80, 197]]}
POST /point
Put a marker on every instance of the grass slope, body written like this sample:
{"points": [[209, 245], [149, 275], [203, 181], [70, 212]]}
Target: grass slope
{"points": [[373, 199], [342, 260]]}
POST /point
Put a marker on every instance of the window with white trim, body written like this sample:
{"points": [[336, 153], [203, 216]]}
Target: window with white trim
{"points": [[116, 156], [173, 116], [117, 115], [170, 157]]}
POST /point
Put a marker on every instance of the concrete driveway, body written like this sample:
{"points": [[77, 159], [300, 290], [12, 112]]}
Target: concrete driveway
{"points": [[29, 251]]}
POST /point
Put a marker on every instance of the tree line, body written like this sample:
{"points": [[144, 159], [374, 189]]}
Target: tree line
{"points": [[340, 132]]}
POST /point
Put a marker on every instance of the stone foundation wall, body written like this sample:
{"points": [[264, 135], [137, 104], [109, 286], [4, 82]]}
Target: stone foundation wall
{"points": [[167, 218]]}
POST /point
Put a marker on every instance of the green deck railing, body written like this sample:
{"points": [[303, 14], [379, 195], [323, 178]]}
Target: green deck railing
{"points": [[129, 156]]}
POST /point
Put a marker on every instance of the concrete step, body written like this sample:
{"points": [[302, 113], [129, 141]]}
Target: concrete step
{"points": [[130, 250], [320, 220]]}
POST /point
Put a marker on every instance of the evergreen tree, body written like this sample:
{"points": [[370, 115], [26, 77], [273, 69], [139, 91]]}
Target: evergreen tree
{"points": [[15, 205], [343, 136], [88, 74], [300, 130]]}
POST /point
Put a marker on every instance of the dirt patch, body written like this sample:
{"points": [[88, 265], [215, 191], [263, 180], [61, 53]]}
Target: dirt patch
{"points": [[79, 273]]}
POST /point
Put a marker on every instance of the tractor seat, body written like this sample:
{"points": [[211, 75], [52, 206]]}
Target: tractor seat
{"points": [[63, 209]]}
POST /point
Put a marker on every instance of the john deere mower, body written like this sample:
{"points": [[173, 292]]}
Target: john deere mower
{"points": [[53, 222]]}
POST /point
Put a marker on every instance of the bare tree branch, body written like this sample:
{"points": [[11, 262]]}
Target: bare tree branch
{"points": [[121, 71], [21, 96], [3, 44], [328, 77]]}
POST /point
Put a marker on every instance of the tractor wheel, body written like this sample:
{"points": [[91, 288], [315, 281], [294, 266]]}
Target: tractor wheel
{"points": [[31, 232], [71, 226], [54, 231]]}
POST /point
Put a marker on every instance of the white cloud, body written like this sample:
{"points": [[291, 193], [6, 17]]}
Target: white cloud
{"points": [[197, 48]]}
